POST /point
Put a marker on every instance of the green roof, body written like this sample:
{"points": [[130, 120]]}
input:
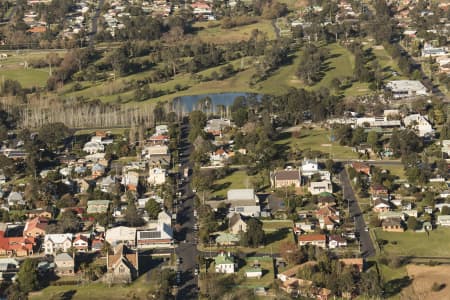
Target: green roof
{"points": [[223, 259], [227, 238]]}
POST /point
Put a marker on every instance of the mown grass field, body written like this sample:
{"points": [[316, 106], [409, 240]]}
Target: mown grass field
{"points": [[416, 243], [317, 139], [137, 290], [396, 170], [236, 180]]}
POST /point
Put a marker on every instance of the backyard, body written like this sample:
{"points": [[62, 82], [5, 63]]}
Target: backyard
{"points": [[238, 179]]}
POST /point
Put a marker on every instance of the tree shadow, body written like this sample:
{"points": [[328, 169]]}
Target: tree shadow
{"points": [[275, 236], [395, 286], [67, 295]]}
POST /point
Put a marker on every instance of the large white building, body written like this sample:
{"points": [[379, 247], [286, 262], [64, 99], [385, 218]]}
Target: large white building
{"points": [[121, 235], [406, 88], [158, 235], [57, 242], [244, 201], [420, 124], [156, 176]]}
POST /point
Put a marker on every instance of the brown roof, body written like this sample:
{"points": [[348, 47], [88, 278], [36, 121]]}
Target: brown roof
{"points": [[287, 175], [312, 237], [292, 272], [122, 251], [392, 222]]}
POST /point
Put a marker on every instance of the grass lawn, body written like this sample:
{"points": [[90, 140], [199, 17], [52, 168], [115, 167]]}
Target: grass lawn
{"points": [[266, 264], [396, 170], [26, 77], [114, 131], [416, 243], [236, 180], [212, 31], [274, 225], [137, 290], [317, 139]]}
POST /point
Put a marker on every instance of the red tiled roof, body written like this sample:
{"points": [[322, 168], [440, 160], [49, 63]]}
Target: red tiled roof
{"points": [[312, 237], [37, 29]]}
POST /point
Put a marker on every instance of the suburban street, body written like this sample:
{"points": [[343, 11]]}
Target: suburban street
{"points": [[187, 249], [367, 248]]}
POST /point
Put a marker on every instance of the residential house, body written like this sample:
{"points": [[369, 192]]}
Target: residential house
{"points": [[276, 205], [158, 234], [443, 220], [81, 243], [336, 241], [43, 213], [98, 170], [224, 263], [15, 198], [16, 246], [378, 190], [361, 167], [406, 88], [237, 224], [227, 239], [155, 150], [121, 235], [391, 214], [8, 269], [392, 225], [131, 180], [380, 205], [159, 139], [161, 129], [35, 227], [157, 176], [93, 147], [97, 244], [326, 199], [420, 124], [122, 265], [302, 227], [309, 168], [107, 184], [315, 188], [319, 240], [253, 272], [65, 265], [97, 206], [220, 157], [286, 178], [57, 242], [216, 126]]}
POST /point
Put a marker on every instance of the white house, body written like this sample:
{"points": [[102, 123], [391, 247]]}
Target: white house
{"points": [[309, 167], [161, 129], [15, 198], [420, 124], [336, 241], [315, 188], [93, 147], [244, 201], [428, 50], [253, 273], [57, 242], [153, 150], [406, 88], [443, 220], [156, 176], [224, 263]]}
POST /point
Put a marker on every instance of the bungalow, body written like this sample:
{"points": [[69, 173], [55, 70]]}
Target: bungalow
{"points": [[326, 199], [392, 225], [361, 168], [57, 242], [336, 241], [216, 126], [224, 263], [159, 139], [301, 227], [81, 243], [16, 246], [155, 150], [378, 190], [97, 206], [65, 265], [253, 273], [15, 198], [380, 205], [391, 214], [319, 240], [220, 156], [286, 178], [315, 188], [443, 220], [35, 227], [227, 239]]}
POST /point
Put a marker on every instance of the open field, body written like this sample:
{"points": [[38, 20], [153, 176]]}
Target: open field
{"points": [[317, 139], [212, 31], [137, 290], [416, 243], [236, 180], [266, 264], [396, 170], [423, 278], [274, 225]]}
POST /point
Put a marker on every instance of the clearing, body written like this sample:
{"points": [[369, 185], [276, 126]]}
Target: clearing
{"points": [[423, 278]]}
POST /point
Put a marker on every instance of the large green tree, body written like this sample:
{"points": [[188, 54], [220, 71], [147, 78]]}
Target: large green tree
{"points": [[27, 277], [153, 208]]}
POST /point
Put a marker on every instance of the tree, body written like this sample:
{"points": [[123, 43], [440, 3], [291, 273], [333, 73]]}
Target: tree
{"points": [[412, 223], [131, 215], [289, 251], [27, 277], [372, 139], [69, 222], [153, 208], [254, 237], [445, 210], [53, 134]]}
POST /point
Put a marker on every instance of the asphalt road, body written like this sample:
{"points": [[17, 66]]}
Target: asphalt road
{"points": [[187, 251], [367, 248]]}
